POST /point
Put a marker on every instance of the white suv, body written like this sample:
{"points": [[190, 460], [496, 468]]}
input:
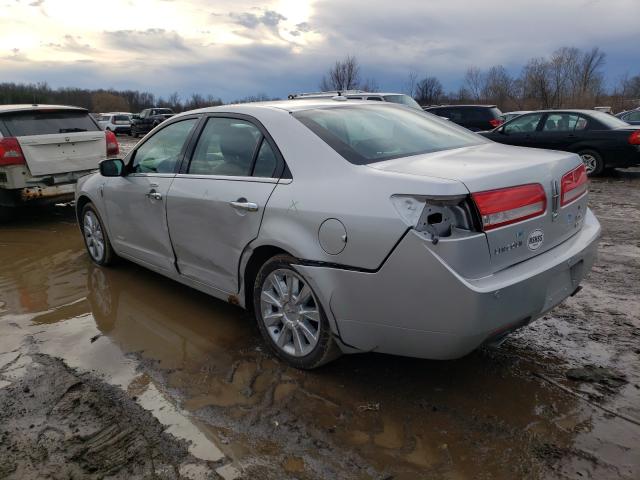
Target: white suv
{"points": [[117, 122], [44, 149]]}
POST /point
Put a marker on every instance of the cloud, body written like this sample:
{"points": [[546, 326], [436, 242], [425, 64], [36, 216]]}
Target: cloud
{"points": [[269, 18], [73, 44], [149, 40]]}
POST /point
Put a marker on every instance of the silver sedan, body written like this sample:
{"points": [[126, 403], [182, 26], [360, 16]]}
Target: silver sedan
{"points": [[348, 227]]}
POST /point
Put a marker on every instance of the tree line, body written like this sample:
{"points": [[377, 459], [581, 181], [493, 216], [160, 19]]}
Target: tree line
{"points": [[569, 77]]}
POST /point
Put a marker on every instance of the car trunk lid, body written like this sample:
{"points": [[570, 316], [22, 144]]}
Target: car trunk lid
{"points": [[56, 140], [64, 152], [490, 167]]}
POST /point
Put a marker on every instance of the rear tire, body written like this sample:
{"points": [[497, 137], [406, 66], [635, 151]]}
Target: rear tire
{"points": [[592, 161], [289, 316], [95, 237]]}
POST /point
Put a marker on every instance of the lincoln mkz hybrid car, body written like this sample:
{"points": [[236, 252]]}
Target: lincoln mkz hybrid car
{"points": [[348, 226]]}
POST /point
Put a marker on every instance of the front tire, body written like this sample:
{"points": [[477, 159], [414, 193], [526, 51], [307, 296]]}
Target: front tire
{"points": [[592, 161], [95, 237], [290, 317]]}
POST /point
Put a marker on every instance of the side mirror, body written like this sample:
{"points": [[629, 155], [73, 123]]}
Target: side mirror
{"points": [[502, 131], [135, 117], [112, 167]]}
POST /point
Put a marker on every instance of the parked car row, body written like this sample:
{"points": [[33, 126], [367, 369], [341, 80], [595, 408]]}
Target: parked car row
{"points": [[602, 140]]}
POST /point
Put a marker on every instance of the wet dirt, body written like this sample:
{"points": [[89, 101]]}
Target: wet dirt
{"points": [[151, 356]]}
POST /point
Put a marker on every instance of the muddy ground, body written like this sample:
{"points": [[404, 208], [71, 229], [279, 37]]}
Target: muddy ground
{"points": [[120, 373]]}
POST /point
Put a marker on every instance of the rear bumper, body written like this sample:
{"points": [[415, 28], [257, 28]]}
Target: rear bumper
{"points": [[416, 305], [40, 195]]}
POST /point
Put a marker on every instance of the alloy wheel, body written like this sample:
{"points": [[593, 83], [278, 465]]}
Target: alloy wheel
{"points": [[590, 162], [290, 312], [93, 236]]}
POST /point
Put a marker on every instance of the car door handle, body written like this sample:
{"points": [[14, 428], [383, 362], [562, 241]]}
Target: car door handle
{"points": [[153, 195], [242, 204]]}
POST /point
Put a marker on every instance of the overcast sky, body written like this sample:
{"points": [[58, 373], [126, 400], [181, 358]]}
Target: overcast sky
{"points": [[236, 48]]}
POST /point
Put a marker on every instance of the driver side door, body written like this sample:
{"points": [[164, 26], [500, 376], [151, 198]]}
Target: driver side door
{"points": [[521, 131], [135, 204]]}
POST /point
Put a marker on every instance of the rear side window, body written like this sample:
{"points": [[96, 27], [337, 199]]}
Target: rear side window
{"points": [[22, 124], [373, 133], [226, 147]]}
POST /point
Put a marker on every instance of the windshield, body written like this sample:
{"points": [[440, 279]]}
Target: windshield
{"points": [[403, 100], [373, 133], [608, 120], [41, 122]]}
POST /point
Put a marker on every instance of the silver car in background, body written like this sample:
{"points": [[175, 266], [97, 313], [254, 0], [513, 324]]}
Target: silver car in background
{"points": [[348, 226]]}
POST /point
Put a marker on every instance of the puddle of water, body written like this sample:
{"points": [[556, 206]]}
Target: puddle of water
{"points": [[174, 349]]}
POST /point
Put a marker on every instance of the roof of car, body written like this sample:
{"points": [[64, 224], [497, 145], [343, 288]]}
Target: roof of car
{"points": [[291, 105], [26, 107]]}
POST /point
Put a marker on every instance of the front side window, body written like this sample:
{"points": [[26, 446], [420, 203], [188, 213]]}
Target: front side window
{"points": [[632, 117], [225, 147], [523, 124], [366, 134], [162, 152]]}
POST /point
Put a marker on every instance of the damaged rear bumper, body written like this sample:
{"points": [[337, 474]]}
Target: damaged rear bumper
{"points": [[417, 305], [42, 194]]}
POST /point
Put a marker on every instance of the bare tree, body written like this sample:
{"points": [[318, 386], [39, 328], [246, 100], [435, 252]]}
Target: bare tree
{"points": [[589, 78], [498, 86], [429, 91], [370, 85], [344, 75], [410, 85], [474, 82]]}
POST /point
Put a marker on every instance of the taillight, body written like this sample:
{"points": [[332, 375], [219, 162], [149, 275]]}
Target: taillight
{"points": [[634, 138], [574, 184], [510, 205], [10, 152], [495, 122], [112, 143]]}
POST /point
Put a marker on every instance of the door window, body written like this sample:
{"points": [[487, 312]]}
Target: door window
{"points": [[162, 152], [523, 124], [226, 147], [266, 161], [632, 117], [560, 122]]}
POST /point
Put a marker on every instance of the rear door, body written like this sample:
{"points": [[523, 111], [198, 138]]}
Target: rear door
{"points": [[559, 130], [136, 203], [57, 140], [215, 207]]}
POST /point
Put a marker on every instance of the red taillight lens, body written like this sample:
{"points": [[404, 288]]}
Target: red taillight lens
{"points": [[495, 122], [510, 205], [634, 138], [10, 152], [574, 184], [112, 143]]}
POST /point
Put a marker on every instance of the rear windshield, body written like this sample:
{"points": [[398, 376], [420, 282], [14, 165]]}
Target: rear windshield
{"points": [[121, 118], [608, 120], [20, 124], [373, 133], [403, 100]]}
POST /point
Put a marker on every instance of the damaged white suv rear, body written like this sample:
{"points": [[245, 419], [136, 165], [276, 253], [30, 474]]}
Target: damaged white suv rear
{"points": [[44, 149]]}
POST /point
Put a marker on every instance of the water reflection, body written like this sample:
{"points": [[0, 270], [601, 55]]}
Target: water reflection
{"points": [[357, 417]]}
